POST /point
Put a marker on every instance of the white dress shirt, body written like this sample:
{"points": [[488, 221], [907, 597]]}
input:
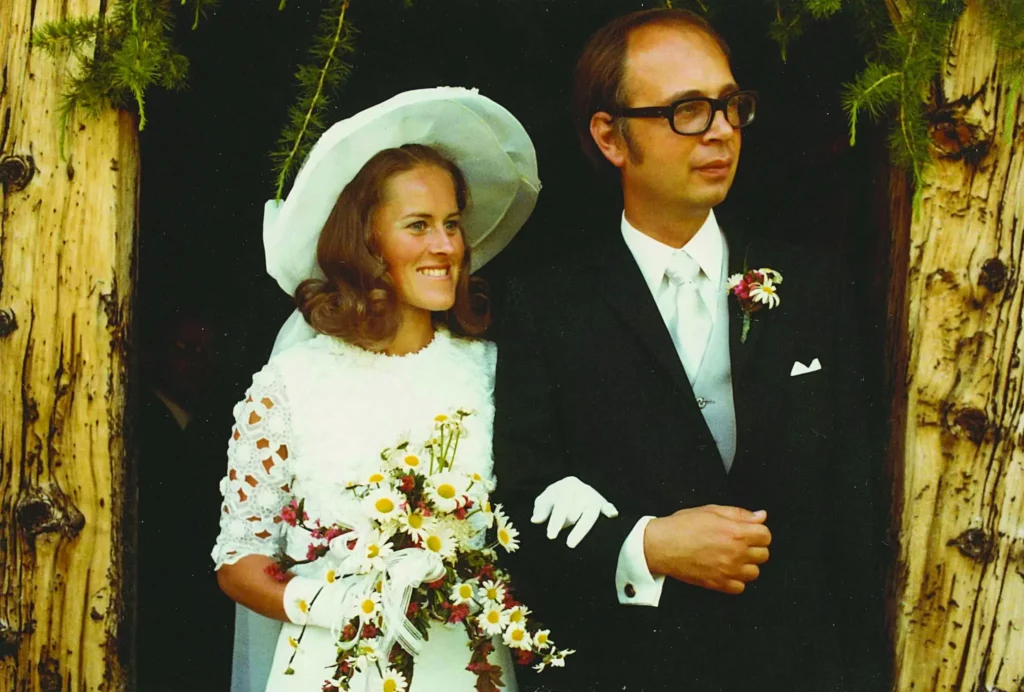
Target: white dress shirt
{"points": [[634, 583]]}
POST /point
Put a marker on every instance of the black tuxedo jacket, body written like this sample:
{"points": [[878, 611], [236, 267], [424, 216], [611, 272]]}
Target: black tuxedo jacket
{"points": [[589, 384]]}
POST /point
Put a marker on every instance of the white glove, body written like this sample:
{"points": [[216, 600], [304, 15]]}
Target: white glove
{"points": [[331, 606], [567, 502]]}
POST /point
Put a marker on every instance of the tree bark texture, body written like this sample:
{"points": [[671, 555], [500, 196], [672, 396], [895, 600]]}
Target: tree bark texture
{"points": [[67, 235], [958, 432]]}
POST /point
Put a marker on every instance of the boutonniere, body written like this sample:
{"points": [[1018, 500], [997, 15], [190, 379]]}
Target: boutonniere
{"points": [[754, 289]]}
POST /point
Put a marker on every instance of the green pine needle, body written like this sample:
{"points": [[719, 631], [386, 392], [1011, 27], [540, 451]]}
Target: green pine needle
{"points": [[317, 81]]}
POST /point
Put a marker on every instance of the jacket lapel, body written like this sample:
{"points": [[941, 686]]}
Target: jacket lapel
{"points": [[619, 280]]}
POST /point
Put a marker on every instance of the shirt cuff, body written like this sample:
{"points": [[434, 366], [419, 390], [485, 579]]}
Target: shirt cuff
{"points": [[634, 583]]}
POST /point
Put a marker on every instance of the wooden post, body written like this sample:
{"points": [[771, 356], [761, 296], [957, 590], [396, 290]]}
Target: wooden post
{"points": [[67, 235], [960, 407]]}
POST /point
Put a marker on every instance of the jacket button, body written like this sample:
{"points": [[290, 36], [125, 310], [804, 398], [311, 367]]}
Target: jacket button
{"points": [[629, 591]]}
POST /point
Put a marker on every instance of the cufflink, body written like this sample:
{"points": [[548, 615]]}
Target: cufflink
{"points": [[629, 591]]}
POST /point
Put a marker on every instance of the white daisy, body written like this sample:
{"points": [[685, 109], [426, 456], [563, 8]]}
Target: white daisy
{"points": [[367, 607], [447, 490], [407, 461], [440, 541], [516, 637], [493, 619], [492, 591], [376, 478], [372, 549], [517, 615], [499, 515], [735, 280], [384, 504], [771, 274], [485, 483], [507, 535], [487, 514], [765, 293], [366, 653], [542, 639], [462, 593], [416, 524], [393, 681]]}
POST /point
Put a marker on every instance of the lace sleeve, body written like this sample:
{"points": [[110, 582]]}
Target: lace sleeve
{"points": [[257, 484]]}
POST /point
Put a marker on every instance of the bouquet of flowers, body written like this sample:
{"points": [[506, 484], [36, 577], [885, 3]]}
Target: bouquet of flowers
{"points": [[424, 549]]}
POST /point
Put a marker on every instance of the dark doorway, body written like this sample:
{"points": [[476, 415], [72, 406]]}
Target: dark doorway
{"points": [[206, 174]]}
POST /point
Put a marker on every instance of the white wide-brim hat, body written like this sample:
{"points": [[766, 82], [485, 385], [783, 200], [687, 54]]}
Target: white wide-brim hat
{"points": [[483, 139]]}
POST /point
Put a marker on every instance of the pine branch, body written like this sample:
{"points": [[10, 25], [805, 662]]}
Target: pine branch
{"points": [[823, 9], [873, 90], [64, 36], [785, 29], [316, 82]]}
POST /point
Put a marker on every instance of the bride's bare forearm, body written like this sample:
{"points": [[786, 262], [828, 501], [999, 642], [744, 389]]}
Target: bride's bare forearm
{"points": [[247, 583]]}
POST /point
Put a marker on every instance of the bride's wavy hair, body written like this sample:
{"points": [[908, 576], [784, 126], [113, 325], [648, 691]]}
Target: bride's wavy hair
{"points": [[357, 300]]}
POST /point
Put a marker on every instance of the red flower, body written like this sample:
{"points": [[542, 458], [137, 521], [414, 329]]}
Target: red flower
{"points": [[413, 608], [369, 631], [437, 584], [461, 512], [290, 514], [334, 532], [458, 613], [408, 483], [275, 572], [486, 572], [509, 601], [524, 657]]}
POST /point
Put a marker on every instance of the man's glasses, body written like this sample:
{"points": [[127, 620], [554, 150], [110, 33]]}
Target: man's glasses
{"points": [[693, 116]]}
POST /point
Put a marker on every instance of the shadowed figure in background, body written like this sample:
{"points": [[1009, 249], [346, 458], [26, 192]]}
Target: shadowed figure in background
{"points": [[184, 624]]}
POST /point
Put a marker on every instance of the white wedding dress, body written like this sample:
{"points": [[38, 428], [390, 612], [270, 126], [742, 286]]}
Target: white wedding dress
{"points": [[317, 416]]}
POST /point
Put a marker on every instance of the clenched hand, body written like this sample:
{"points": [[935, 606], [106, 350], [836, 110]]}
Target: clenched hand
{"points": [[715, 547]]}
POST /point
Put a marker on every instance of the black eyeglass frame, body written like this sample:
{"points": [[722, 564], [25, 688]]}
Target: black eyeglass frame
{"points": [[668, 112]]}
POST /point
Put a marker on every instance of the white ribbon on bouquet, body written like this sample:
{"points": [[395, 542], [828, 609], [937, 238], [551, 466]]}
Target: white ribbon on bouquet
{"points": [[406, 569]]}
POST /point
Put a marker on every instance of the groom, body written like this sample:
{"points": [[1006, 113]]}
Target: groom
{"points": [[744, 556]]}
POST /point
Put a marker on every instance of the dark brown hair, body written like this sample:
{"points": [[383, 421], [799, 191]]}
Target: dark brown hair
{"points": [[598, 83], [357, 300]]}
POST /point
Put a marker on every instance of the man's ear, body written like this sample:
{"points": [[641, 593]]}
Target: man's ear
{"points": [[608, 138]]}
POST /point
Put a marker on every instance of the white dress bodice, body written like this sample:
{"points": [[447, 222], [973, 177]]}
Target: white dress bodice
{"points": [[316, 418]]}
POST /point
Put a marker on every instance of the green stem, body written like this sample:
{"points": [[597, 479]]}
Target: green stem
{"points": [[455, 450], [317, 95]]}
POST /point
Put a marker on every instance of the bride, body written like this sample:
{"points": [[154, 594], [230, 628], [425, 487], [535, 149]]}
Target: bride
{"points": [[377, 239]]}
